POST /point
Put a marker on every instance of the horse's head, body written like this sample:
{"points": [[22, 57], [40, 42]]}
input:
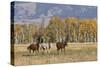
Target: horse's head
{"points": [[65, 43], [28, 47]]}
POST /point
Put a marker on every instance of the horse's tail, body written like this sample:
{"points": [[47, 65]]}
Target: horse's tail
{"points": [[67, 44]]}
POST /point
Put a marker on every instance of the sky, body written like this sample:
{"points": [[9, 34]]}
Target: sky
{"points": [[34, 11]]}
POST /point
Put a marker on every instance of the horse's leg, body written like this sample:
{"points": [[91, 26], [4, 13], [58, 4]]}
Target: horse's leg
{"points": [[57, 51], [33, 51], [29, 50], [38, 50], [48, 50], [43, 50], [64, 50], [61, 50]]}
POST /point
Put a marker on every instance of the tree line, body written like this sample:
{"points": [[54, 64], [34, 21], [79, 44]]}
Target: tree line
{"points": [[78, 30]]}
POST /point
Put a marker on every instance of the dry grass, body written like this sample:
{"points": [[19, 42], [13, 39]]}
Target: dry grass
{"points": [[75, 52]]}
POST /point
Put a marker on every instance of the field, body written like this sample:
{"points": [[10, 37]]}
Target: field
{"points": [[75, 52]]}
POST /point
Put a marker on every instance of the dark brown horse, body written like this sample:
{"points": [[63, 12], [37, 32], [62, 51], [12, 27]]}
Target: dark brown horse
{"points": [[61, 45], [33, 47]]}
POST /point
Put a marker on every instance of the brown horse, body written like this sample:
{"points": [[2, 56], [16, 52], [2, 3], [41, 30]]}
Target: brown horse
{"points": [[61, 45], [33, 47]]}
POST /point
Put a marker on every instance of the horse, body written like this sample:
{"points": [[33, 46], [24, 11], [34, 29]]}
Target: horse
{"points": [[33, 47], [45, 46], [61, 45]]}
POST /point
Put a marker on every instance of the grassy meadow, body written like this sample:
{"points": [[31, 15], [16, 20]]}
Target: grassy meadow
{"points": [[75, 52]]}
